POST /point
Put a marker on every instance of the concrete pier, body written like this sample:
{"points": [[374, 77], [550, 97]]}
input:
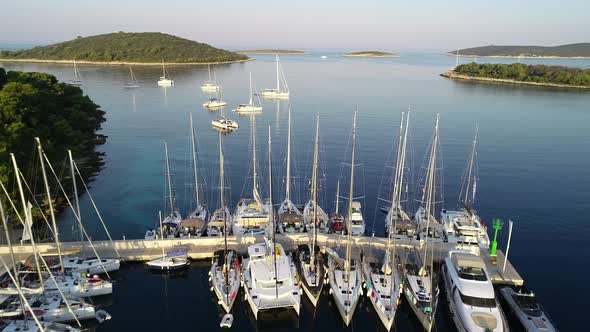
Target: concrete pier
{"points": [[204, 247]]}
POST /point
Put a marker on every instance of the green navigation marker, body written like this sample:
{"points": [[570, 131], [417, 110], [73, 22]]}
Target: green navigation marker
{"points": [[497, 224]]}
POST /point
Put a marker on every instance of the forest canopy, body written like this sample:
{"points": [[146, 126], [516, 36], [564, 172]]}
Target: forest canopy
{"points": [[527, 73], [146, 47], [38, 105]]}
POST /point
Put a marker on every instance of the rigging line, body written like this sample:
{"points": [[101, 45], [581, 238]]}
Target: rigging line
{"points": [[76, 216], [37, 205], [97, 211]]}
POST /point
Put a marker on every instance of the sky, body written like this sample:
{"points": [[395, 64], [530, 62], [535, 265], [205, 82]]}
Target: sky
{"points": [[344, 24]]}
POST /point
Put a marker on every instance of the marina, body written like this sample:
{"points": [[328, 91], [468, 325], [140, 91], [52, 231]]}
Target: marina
{"points": [[371, 248]]}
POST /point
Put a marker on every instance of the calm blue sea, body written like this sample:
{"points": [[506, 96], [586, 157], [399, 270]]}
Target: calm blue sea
{"points": [[533, 156]]}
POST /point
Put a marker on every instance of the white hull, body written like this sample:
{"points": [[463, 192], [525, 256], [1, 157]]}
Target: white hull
{"points": [[91, 265], [214, 104], [248, 109], [384, 298], [261, 289], [30, 325], [226, 295], [168, 263], [225, 124], [51, 309], [250, 218], [165, 82], [308, 215], [465, 228], [346, 303], [273, 94]]}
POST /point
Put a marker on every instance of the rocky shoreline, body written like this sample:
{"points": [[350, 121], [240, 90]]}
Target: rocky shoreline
{"points": [[123, 63]]}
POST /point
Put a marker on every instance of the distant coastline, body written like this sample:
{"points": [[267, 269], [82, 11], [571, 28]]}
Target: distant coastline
{"points": [[451, 74], [290, 52], [517, 56], [370, 54], [123, 63]]}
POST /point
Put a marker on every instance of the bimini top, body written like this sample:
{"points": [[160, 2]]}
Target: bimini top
{"points": [[356, 205]]}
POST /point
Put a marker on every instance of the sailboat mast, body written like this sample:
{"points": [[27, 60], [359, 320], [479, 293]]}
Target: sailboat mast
{"points": [[337, 195], [350, 198], [168, 180], [430, 188], [209, 68], [466, 202], [28, 221], [314, 195], [394, 204], [50, 203], [255, 188], [7, 234], [271, 216], [194, 149], [76, 200], [250, 89], [163, 70], [76, 71], [278, 78], [288, 183], [222, 201], [161, 234], [403, 161]]}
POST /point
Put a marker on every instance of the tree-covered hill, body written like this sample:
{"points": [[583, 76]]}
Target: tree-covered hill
{"points": [[144, 47], [37, 105], [527, 73], [565, 51]]}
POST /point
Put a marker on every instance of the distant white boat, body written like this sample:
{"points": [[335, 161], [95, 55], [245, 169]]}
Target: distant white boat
{"points": [[278, 93], [215, 102], [165, 80], [249, 107], [133, 83], [324, 57], [209, 86], [224, 123], [77, 81]]}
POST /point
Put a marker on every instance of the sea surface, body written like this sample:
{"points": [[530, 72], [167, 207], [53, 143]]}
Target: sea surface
{"points": [[533, 158]]}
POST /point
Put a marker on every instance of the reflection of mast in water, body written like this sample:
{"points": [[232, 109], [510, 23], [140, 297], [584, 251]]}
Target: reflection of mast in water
{"points": [[133, 103], [277, 115], [165, 96]]}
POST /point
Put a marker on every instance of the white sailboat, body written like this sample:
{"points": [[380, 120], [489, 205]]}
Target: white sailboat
{"points": [[173, 219], [133, 83], [345, 275], [278, 93], [270, 277], [249, 107], [216, 102], [175, 259], [77, 81], [382, 279], [313, 214], [310, 265], [252, 215], [51, 308], [397, 220], [290, 218], [165, 80], [209, 86], [197, 219], [225, 270], [221, 220], [464, 226], [421, 281]]}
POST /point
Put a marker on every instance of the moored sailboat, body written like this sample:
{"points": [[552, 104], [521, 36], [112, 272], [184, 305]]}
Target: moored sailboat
{"points": [[165, 79], [249, 107], [345, 274], [290, 218], [209, 85], [133, 83], [217, 102], [310, 265], [270, 277], [421, 281], [77, 81], [465, 226]]}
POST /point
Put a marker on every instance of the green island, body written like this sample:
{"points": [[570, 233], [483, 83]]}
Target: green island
{"points": [[371, 54], [38, 105], [272, 52], [579, 50], [127, 48], [519, 73]]}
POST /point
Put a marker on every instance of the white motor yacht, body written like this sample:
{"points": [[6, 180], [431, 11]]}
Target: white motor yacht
{"points": [[470, 294], [523, 305], [358, 222], [91, 265]]}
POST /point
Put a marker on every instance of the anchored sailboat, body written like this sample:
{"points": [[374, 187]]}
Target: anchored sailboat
{"points": [[165, 79], [175, 259], [270, 277], [221, 220], [252, 215], [209, 86], [310, 265], [197, 219], [216, 102], [313, 215], [421, 281], [290, 218], [345, 275], [77, 81], [249, 107], [133, 83], [278, 93], [465, 226]]}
